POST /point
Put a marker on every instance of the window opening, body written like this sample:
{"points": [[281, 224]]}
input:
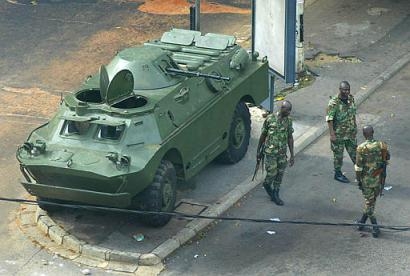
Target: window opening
{"points": [[110, 132], [75, 127]]}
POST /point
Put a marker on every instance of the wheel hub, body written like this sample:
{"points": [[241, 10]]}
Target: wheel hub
{"points": [[167, 195], [239, 133]]}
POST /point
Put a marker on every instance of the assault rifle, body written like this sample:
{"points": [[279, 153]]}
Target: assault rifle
{"points": [[260, 160], [175, 71], [382, 171]]}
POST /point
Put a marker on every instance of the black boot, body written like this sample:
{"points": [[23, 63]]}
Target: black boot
{"points": [[376, 230], [275, 197], [268, 189], [339, 176], [362, 220]]}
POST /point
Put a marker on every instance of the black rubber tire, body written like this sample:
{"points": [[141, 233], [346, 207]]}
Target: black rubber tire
{"points": [[239, 135], [159, 196]]}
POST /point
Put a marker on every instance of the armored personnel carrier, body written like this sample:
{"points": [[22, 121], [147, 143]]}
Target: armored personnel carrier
{"points": [[155, 114]]}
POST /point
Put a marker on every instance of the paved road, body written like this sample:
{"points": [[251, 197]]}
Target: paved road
{"points": [[310, 193]]}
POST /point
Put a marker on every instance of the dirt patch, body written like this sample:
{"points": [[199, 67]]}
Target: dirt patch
{"points": [[323, 58], [182, 7], [70, 70], [67, 71], [28, 102]]}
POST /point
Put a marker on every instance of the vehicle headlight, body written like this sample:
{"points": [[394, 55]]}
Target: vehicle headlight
{"points": [[36, 148]]}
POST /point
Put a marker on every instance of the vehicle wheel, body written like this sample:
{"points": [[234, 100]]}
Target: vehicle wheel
{"points": [[239, 134], [48, 207], [160, 195]]}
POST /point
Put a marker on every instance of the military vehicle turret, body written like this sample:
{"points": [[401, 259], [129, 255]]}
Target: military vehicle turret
{"points": [[155, 114]]}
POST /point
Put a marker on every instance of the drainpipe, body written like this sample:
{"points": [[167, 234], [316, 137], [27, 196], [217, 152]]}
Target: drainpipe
{"points": [[300, 54]]}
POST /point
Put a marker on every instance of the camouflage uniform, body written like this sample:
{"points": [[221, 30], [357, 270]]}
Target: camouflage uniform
{"points": [[369, 159], [277, 133], [344, 124]]}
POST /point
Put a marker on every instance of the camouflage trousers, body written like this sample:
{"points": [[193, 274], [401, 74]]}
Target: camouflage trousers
{"points": [[275, 166], [370, 195], [338, 147]]}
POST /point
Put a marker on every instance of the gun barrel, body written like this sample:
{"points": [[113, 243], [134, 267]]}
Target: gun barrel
{"points": [[196, 74]]}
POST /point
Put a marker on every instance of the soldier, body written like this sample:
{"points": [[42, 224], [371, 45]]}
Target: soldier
{"points": [[372, 156], [341, 120], [277, 134]]}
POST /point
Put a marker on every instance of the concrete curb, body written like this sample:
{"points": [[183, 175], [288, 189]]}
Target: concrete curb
{"points": [[61, 237], [378, 81]]}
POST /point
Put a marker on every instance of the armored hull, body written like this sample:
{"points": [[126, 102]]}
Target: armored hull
{"points": [[156, 113]]}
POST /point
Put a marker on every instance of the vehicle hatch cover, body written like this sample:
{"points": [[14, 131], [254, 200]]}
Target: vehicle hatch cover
{"points": [[104, 82], [120, 87]]}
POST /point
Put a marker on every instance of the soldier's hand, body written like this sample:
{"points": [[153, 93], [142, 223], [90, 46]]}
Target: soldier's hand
{"points": [[291, 161], [332, 136]]}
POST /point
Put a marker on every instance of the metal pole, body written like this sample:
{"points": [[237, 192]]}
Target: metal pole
{"points": [[197, 15], [253, 26], [192, 18]]}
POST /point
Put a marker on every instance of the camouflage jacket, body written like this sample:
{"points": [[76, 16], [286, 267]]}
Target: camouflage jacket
{"points": [[277, 132], [343, 117], [368, 160]]}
